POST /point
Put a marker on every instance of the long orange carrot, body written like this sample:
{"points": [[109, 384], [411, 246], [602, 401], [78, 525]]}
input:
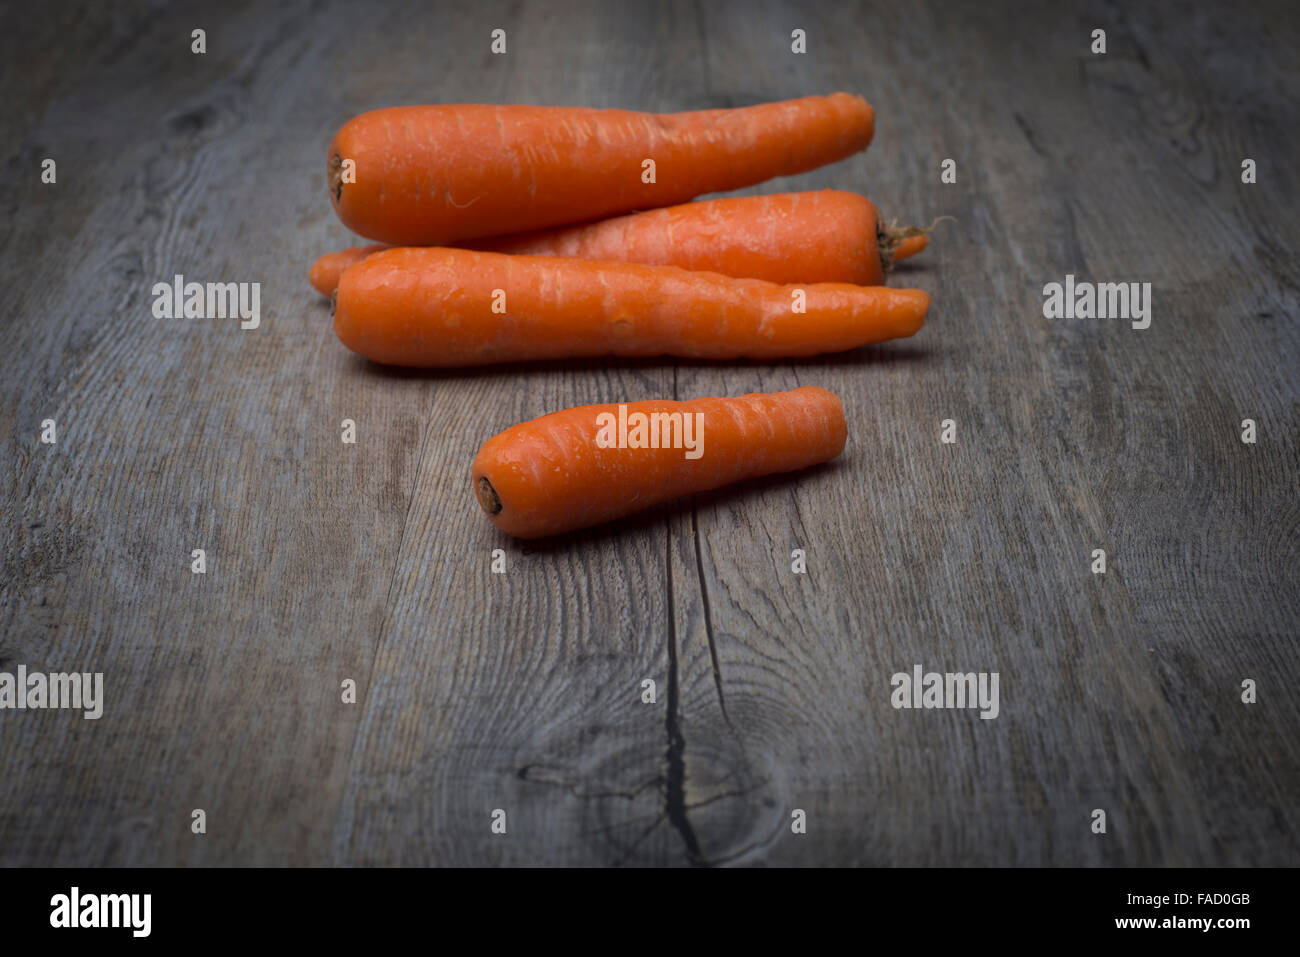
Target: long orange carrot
{"points": [[823, 236], [424, 175], [433, 306], [596, 463]]}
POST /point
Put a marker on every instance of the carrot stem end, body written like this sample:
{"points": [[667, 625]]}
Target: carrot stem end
{"points": [[336, 177], [487, 496], [889, 238]]}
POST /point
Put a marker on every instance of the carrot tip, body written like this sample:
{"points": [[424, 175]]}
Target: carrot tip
{"points": [[899, 242], [487, 496]]}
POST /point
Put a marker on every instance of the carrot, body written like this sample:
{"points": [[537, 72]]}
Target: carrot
{"points": [[426, 175], [325, 272], [902, 242], [433, 307], [910, 246], [566, 471], [823, 236]]}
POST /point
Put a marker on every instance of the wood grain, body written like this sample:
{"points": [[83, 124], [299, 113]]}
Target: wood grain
{"points": [[523, 691]]}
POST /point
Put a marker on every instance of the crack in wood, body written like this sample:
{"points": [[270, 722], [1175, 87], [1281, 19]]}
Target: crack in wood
{"points": [[675, 792]]}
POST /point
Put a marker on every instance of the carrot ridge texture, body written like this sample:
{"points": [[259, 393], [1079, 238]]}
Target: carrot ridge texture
{"points": [[550, 475], [820, 236], [440, 307], [427, 175]]}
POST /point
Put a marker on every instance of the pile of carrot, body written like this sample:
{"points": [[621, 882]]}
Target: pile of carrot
{"points": [[522, 233]]}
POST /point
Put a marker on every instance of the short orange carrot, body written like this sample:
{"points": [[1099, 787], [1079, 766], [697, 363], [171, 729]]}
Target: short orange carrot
{"points": [[596, 463], [823, 236], [437, 307], [425, 175]]}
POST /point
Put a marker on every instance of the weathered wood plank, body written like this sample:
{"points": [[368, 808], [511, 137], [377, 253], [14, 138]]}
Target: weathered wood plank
{"points": [[976, 556], [223, 690]]}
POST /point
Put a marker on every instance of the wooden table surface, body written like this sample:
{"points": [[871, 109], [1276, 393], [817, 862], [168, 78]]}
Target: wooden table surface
{"points": [[522, 691]]}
